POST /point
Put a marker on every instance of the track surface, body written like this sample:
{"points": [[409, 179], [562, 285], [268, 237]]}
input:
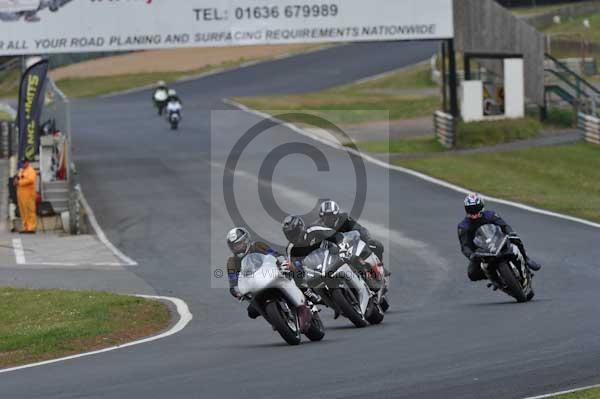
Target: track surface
{"points": [[444, 337]]}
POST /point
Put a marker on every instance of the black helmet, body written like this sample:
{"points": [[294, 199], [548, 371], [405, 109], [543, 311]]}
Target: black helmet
{"points": [[329, 212], [474, 204], [293, 228], [238, 240]]}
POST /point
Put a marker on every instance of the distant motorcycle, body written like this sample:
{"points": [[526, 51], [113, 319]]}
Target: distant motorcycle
{"points": [[275, 295], [503, 263], [160, 100], [341, 281], [174, 114]]}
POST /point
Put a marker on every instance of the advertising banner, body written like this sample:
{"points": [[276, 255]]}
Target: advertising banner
{"points": [[62, 26], [31, 102]]}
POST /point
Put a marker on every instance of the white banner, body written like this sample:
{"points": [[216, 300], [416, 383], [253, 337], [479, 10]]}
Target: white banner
{"points": [[61, 26]]}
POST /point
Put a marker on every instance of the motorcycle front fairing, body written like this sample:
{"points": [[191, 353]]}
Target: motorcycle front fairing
{"points": [[325, 270], [259, 273]]}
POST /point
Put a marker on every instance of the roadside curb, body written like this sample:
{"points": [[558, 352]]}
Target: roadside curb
{"points": [[407, 171], [185, 316]]}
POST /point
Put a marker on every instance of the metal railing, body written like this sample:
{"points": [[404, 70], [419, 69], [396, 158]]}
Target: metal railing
{"points": [[57, 108], [445, 129]]}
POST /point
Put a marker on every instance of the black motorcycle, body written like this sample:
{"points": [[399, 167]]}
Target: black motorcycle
{"points": [[503, 263]]}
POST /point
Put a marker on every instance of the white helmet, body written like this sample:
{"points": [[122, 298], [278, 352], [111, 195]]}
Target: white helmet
{"points": [[172, 92], [329, 212], [238, 240], [161, 83]]}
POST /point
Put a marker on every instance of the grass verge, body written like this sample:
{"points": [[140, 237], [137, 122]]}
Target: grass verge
{"points": [[593, 393], [576, 28], [5, 116], [471, 135], [100, 85], [560, 178], [396, 93], [479, 134], [39, 325]]}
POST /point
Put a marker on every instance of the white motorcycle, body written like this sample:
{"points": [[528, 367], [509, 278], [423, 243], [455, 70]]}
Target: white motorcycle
{"points": [[160, 100], [350, 282], [174, 109], [275, 295]]}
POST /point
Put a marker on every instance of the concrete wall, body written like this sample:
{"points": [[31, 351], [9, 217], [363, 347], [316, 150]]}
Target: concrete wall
{"points": [[483, 26]]}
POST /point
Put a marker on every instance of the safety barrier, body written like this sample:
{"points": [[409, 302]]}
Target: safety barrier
{"points": [[590, 126], [57, 109], [445, 128], [8, 139]]}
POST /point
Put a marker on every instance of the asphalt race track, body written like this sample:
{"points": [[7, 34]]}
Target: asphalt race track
{"points": [[443, 337]]}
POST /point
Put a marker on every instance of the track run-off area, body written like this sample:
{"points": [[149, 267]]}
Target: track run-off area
{"points": [[154, 192]]}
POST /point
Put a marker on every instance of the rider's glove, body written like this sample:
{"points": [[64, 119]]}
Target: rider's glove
{"points": [[474, 257], [235, 292], [284, 265]]}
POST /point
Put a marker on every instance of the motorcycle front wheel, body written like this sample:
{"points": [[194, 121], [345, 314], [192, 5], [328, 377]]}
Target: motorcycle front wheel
{"points": [[316, 331], [513, 286], [284, 321], [350, 307]]}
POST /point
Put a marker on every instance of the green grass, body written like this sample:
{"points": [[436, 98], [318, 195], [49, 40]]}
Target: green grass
{"points": [[537, 9], [416, 145], [479, 134], [360, 102], [45, 324], [9, 83], [470, 135], [561, 117], [574, 27], [593, 393], [560, 178], [5, 116], [415, 77]]}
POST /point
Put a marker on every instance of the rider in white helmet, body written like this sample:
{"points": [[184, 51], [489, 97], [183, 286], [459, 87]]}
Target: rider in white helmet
{"points": [[331, 216]]}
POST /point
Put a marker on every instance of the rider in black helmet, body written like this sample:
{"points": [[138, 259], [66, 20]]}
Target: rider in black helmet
{"points": [[475, 218], [331, 216], [303, 240]]}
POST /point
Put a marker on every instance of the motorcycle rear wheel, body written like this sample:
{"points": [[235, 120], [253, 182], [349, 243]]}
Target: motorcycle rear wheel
{"points": [[513, 286], [279, 320], [316, 331], [350, 310]]}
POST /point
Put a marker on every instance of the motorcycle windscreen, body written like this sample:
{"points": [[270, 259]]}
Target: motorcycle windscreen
{"points": [[314, 260], [489, 238], [251, 263], [351, 238]]}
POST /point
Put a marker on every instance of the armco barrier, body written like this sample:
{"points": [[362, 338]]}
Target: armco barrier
{"points": [[445, 128], [590, 126]]}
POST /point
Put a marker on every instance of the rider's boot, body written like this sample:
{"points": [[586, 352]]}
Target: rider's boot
{"points": [[533, 265]]}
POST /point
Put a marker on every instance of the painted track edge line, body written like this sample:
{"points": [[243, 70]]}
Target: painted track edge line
{"points": [[185, 316], [550, 395], [100, 233], [411, 172]]}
